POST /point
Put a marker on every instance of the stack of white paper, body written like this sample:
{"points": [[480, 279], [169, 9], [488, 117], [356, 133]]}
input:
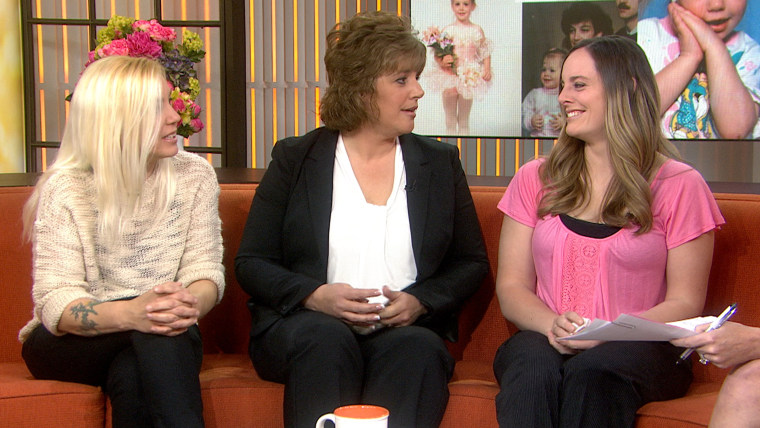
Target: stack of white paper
{"points": [[630, 327]]}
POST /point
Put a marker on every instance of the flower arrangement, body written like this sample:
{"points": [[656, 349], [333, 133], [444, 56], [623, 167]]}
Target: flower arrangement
{"points": [[441, 43], [139, 38], [471, 76]]}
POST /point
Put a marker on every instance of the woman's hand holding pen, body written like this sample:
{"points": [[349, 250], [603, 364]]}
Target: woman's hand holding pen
{"points": [[728, 346]]}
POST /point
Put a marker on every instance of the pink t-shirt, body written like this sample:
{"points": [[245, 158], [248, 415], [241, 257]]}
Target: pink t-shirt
{"points": [[623, 273]]}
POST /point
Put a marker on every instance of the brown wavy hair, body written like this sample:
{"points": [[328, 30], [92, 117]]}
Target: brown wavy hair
{"points": [[636, 142], [359, 50]]}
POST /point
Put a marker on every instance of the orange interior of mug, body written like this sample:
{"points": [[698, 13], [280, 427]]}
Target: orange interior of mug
{"points": [[361, 411]]}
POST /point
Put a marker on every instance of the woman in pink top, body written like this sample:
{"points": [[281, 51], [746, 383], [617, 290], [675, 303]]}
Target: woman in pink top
{"points": [[609, 223]]}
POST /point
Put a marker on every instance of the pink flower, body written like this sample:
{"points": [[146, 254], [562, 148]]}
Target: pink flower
{"points": [[90, 58], [196, 109], [445, 41], [431, 35], [141, 45], [141, 25], [196, 125], [116, 47], [148, 39], [178, 105], [156, 31]]}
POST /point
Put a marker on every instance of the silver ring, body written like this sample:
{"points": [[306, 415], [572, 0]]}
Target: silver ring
{"points": [[704, 360]]}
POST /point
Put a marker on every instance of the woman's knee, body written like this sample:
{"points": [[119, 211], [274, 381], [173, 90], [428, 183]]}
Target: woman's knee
{"points": [[418, 338], [322, 334], [589, 369], [408, 352], [528, 356], [123, 381], [420, 342], [744, 381], [311, 336], [187, 345], [750, 371]]}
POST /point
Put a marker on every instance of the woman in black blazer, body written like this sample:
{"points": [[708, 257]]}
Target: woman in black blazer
{"points": [[362, 242]]}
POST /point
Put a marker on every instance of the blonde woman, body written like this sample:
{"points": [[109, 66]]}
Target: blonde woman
{"points": [[610, 223], [127, 250]]}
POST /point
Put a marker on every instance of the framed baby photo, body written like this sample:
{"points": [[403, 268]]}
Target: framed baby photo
{"points": [[549, 30]]}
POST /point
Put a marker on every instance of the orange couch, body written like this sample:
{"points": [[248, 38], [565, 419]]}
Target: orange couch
{"points": [[233, 394]]}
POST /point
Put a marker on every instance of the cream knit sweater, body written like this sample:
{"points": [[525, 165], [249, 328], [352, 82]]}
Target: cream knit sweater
{"points": [[71, 261]]}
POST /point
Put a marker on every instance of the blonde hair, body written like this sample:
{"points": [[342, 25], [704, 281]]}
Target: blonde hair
{"points": [[636, 143], [112, 129], [359, 50]]}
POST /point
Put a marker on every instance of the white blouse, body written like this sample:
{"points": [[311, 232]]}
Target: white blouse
{"points": [[370, 245]]}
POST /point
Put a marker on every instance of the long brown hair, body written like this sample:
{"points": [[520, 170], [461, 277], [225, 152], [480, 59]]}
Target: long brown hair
{"points": [[632, 127]]}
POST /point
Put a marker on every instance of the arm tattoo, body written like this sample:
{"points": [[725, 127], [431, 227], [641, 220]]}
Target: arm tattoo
{"points": [[84, 310]]}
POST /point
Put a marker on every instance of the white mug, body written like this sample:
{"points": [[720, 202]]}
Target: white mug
{"points": [[356, 416]]}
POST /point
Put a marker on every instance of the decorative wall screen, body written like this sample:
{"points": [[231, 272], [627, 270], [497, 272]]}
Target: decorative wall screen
{"points": [[261, 80]]}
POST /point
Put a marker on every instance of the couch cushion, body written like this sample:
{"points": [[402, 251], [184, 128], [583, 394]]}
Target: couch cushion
{"points": [[25, 402], [471, 404], [16, 284], [225, 329], [482, 328], [235, 396], [471, 396], [693, 410]]}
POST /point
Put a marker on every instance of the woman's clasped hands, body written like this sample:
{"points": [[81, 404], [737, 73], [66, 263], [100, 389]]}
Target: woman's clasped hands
{"points": [[168, 309], [352, 305]]}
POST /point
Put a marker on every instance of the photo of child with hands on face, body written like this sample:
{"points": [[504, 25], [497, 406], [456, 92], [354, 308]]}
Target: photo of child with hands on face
{"points": [[707, 68]]}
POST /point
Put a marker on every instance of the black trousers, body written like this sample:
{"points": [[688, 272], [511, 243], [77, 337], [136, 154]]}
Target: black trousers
{"points": [[152, 380], [600, 387], [324, 365]]}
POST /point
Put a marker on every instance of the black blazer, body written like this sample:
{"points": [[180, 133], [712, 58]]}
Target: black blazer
{"points": [[283, 254]]}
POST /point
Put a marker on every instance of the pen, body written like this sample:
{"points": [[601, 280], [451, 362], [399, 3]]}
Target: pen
{"points": [[722, 318]]}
